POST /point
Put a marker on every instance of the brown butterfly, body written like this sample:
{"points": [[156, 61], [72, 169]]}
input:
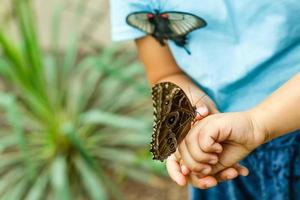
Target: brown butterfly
{"points": [[173, 116]]}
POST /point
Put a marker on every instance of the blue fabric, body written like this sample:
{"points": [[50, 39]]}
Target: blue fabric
{"points": [[274, 174], [247, 50]]}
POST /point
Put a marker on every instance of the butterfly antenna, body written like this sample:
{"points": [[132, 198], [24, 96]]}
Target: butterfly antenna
{"points": [[189, 89], [151, 6], [187, 50], [196, 104], [159, 6], [200, 98]]}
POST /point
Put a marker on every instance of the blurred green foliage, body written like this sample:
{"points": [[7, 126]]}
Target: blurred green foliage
{"points": [[71, 125]]}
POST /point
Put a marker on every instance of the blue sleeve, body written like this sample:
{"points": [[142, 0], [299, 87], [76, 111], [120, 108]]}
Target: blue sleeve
{"points": [[119, 11]]}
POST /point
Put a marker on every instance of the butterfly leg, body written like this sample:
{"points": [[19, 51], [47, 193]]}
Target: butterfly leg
{"points": [[197, 118]]}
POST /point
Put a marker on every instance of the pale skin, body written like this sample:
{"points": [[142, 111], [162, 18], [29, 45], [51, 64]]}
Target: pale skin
{"points": [[160, 66], [242, 132], [216, 143]]}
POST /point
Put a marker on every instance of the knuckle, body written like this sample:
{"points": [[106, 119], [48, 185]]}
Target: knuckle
{"points": [[201, 157], [196, 167], [204, 147], [180, 149], [189, 140]]}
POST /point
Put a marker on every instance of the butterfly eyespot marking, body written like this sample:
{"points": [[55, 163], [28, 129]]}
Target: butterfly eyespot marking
{"points": [[171, 120], [172, 146], [166, 135]]}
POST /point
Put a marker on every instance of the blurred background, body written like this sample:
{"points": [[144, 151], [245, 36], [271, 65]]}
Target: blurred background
{"points": [[75, 109]]}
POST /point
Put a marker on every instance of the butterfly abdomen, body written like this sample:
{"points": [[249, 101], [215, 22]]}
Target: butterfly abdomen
{"points": [[162, 30], [180, 40]]}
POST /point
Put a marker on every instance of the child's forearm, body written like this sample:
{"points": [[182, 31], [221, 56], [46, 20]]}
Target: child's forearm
{"points": [[192, 91], [280, 113], [161, 66]]}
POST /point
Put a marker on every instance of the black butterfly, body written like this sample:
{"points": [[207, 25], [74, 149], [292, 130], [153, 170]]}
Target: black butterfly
{"points": [[167, 25]]}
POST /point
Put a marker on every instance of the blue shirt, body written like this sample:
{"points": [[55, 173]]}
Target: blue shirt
{"points": [[247, 50]]}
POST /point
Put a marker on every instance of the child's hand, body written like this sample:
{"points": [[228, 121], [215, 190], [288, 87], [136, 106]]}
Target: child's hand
{"points": [[227, 138], [180, 174]]}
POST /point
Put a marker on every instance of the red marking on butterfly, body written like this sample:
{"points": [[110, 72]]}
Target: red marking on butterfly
{"points": [[164, 15], [150, 15]]}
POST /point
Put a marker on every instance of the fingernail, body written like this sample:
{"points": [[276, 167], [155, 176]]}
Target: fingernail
{"points": [[213, 162], [205, 171], [202, 110], [178, 183], [184, 170], [246, 173]]}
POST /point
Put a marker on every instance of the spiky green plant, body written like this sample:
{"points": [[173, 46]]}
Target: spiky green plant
{"points": [[70, 124]]}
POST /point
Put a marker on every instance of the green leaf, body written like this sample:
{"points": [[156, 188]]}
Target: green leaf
{"points": [[111, 119], [117, 155], [113, 138], [72, 49], [60, 180], [7, 141], [18, 190], [37, 191], [9, 179], [9, 161], [14, 118], [14, 57], [69, 131], [55, 27], [91, 181], [5, 69], [31, 45]]}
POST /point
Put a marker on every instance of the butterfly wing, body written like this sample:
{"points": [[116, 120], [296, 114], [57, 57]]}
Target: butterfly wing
{"points": [[173, 114], [140, 21], [182, 23]]}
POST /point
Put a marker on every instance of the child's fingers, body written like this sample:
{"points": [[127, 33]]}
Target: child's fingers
{"points": [[227, 174], [190, 163], [202, 183], [174, 170], [211, 181], [207, 140], [196, 153], [242, 170], [184, 170], [232, 173]]}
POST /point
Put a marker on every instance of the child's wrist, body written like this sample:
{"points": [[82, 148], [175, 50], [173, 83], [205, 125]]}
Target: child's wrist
{"points": [[261, 133]]}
